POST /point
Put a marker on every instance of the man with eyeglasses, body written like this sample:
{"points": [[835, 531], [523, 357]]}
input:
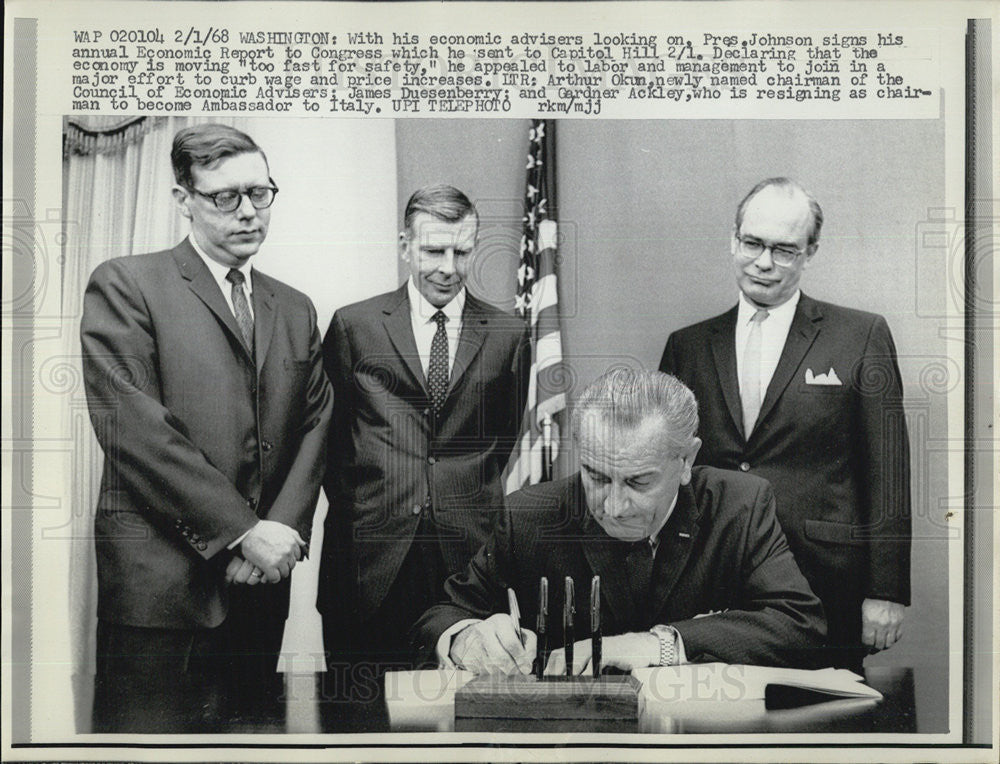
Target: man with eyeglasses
{"points": [[206, 389], [808, 395]]}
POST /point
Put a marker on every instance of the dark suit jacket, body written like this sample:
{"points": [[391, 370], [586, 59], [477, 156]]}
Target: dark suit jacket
{"points": [[391, 459], [837, 456], [199, 442], [721, 550]]}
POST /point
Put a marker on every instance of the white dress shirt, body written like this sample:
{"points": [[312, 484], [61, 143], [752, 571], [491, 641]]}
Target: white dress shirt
{"points": [[424, 325], [773, 333], [219, 273]]}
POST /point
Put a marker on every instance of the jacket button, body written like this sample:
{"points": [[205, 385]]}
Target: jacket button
{"points": [[416, 509], [251, 502], [744, 466], [431, 460], [267, 445]]}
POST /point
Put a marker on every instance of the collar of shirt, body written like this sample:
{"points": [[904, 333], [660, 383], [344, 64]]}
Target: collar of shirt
{"points": [[773, 333], [219, 273], [424, 326]]}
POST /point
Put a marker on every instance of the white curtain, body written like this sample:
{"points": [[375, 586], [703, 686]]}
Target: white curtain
{"points": [[116, 202], [332, 235]]}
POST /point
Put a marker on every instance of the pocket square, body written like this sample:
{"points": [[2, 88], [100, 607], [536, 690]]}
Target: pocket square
{"points": [[830, 378]]}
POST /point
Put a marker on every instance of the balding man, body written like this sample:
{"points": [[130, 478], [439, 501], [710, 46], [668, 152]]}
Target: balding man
{"points": [[808, 395], [693, 564]]}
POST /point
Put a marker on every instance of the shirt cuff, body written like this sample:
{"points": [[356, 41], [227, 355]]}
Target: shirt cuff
{"points": [[443, 648], [679, 647], [239, 540]]}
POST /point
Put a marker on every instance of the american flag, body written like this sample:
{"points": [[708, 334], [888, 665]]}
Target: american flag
{"points": [[537, 302]]}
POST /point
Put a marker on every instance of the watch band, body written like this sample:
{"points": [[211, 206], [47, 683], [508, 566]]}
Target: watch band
{"points": [[668, 644]]}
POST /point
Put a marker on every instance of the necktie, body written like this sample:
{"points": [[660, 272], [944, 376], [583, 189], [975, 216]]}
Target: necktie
{"points": [[750, 379], [240, 306], [639, 564], [437, 369]]}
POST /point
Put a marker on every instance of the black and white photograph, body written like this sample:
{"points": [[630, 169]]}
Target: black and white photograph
{"points": [[408, 430]]}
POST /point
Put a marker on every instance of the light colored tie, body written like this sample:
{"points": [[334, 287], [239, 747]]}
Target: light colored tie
{"points": [[241, 308], [750, 379], [437, 369]]}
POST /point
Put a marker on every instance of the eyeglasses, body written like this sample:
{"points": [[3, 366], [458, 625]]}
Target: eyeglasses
{"points": [[261, 197], [780, 254]]}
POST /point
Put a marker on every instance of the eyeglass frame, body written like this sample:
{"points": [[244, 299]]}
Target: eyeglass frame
{"points": [[787, 256], [273, 188]]}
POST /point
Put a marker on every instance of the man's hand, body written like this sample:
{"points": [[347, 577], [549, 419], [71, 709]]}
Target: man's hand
{"points": [[624, 651], [492, 647], [240, 571], [881, 623], [274, 548]]}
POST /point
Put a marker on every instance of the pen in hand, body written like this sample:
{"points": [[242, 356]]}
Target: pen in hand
{"points": [[515, 615]]}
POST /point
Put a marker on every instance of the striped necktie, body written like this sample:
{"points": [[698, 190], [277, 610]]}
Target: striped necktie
{"points": [[241, 308]]}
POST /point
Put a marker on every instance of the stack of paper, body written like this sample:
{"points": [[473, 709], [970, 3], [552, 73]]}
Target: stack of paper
{"points": [[423, 700], [725, 682]]}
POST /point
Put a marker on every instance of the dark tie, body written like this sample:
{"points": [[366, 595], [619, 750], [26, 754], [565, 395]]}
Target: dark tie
{"points": [[639, 564], [437, 369], [240, 306], [750, 379]]}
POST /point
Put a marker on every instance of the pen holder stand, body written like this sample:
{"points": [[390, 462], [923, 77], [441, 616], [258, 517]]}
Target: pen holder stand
{"points": [[552, 704]]}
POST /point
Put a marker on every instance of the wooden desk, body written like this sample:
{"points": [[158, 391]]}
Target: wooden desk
{"points": [[310, 704]]}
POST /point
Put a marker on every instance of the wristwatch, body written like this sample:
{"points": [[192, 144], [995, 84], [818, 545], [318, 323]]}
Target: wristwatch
{"points": [[668, 644]]}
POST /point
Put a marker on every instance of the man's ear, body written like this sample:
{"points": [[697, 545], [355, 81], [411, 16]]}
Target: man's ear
{"points": [[182, 198], [734, 242], [404, 246], [810, 251], [689, 457]]}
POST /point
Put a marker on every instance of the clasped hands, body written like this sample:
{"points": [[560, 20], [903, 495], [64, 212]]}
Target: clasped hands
{"points": [[269, 552], [492, 647]]}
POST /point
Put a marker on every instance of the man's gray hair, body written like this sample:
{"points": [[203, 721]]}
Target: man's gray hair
{"points": [[790, 187], [624, 398], [444, 202]]}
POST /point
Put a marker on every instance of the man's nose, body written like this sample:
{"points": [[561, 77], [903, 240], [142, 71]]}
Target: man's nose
{"points": [[246, 210], [447, 264], [616, 503], [764, 260]]}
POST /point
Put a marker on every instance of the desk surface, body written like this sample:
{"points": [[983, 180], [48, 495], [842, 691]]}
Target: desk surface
{"points": [[316, 703]]}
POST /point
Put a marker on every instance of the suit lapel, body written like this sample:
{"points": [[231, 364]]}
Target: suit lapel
{"points": [[677, 538], [263, 315], [723, 347], [801, 335], [400, 330], [200, 281], [470, 342]]}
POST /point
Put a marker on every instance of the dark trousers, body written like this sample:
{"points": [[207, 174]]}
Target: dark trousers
{"points": [[843, 635], [192, 680], [360, 649]]}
